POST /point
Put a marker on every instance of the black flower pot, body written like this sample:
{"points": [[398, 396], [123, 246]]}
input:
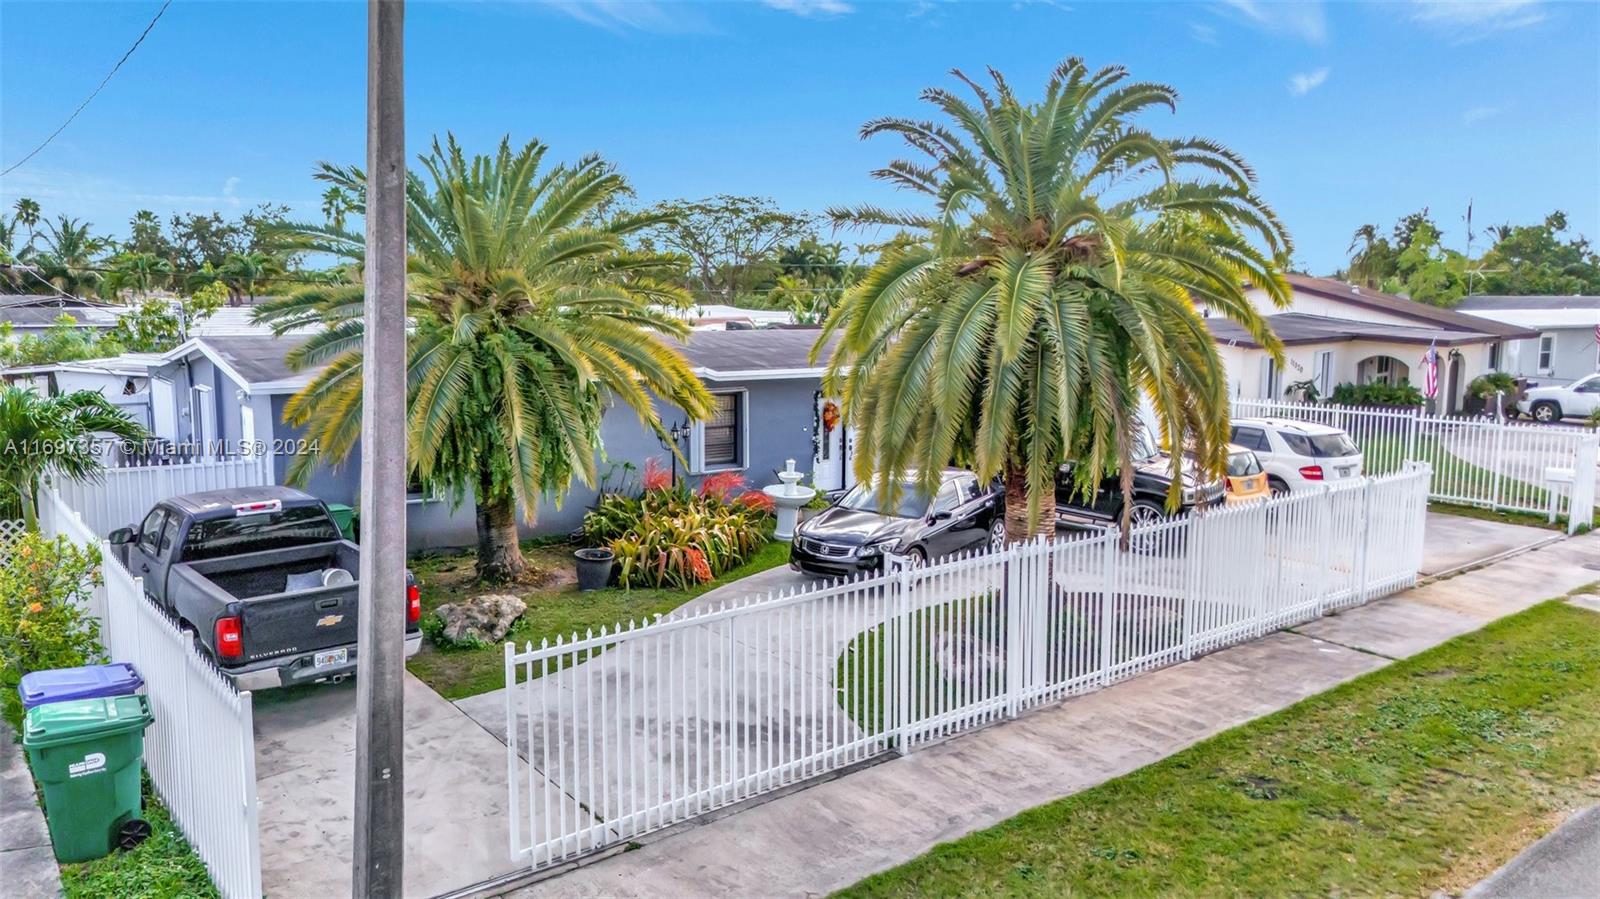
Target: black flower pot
{"points": [[594, 567]]}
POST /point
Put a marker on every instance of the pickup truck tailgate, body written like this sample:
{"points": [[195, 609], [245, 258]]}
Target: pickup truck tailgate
{"points": [[298, 622]]}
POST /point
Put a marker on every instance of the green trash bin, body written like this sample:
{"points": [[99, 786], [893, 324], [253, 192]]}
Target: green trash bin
{"points": [[344, 517], [87, 755]]}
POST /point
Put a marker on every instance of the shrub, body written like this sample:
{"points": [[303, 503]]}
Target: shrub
{"points": [[45, 584], [1377, 394], [670, 536], [1486, 386]]}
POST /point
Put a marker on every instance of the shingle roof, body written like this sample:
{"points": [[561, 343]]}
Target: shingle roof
{"points": [[766, 350], [1295, 328], [1386, 302], [1470, 304], [258, 359]]}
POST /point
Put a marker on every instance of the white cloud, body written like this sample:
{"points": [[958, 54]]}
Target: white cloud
{"points": [[1205, 34], [1302, 83], [1464, 21], [811, 7], [227, 191], [631, 15], [1479, 113], [1303, 20]]}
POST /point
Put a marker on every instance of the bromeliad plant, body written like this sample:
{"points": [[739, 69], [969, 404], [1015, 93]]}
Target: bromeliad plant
{"points": [[670, 536]]}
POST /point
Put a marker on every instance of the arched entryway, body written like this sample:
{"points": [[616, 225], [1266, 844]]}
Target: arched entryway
{"points": [[1382, 370]]}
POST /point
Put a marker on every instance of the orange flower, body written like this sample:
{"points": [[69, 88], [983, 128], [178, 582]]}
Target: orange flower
{"points": [[36, 607], [697, 564]]}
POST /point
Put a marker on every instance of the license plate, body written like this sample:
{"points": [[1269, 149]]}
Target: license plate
{"points": [[330, 657], [1345, 470]]}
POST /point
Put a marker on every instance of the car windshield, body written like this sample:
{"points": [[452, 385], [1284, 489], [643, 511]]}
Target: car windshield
{"points": [[1322, 446], [252, 533], [1243, 465], [862, 498]]}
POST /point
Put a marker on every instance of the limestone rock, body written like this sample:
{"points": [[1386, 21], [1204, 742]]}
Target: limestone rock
{"points": [[484, 619]]}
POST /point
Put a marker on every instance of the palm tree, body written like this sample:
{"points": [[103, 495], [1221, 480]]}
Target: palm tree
{"points": [[243, 272], [136, 272], [53, 436], [1055, 286], [335, 205], [524, 320], [26, 215], [67, 261]]}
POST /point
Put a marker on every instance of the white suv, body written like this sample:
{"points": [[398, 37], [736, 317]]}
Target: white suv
{"points": [[1298, 455]]}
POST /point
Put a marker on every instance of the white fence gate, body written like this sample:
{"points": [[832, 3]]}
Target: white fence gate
{"points": [[1475, 461], [614, 734], [121, 496], [200, 750]]}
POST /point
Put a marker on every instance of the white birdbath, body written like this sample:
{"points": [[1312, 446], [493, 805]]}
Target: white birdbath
{"points": [[788, 497]]}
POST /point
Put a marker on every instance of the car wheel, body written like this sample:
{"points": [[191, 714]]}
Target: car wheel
{"points": [[1143, 514], [997, 535], [1546, 412], [916, 557], [1277, 486]]}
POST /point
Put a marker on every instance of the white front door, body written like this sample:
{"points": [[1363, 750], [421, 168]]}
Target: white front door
{"points": [[828, 467], [163, 409]]}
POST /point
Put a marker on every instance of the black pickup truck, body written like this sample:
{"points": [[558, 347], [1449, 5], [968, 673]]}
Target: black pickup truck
{"points": [[262, 577]]}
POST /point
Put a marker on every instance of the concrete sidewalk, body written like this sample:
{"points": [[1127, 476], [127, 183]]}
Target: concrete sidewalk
{"points": [[1566, 862], [835, 833], [27, 863]]}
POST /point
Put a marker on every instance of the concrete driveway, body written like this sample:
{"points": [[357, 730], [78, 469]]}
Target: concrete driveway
{"points": [[305, 773], [1521, 460]]}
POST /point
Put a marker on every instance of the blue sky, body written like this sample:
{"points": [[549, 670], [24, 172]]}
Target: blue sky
{"points": [[1350, 112]]}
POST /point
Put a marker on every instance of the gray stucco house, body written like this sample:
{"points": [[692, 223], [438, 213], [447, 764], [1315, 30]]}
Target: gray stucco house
{"points": [[220, 393], [1564, 348]]}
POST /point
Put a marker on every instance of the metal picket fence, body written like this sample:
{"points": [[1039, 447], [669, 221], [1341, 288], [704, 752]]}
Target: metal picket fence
{"points": [[617, 733], [1543, 469], [200, 750], [121, 496]]}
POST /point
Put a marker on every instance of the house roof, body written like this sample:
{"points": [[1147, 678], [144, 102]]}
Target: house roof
{"points": [[125, 364], [253, 361], [1296, 328], [1575, 301], [1386, 302], [39, 312], [767, 354]]}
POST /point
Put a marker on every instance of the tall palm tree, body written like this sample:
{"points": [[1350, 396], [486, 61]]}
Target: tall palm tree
{"points": [[242, 273], [335, 205], [51, 435], [68, 258], [27, 215], [1055, 286], [524, 320]]}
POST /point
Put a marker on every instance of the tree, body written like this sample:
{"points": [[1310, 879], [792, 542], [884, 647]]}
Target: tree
{"points": [[54, 436], [335, 205], [68, 259], [136, 272], [1535, 259], [158, 325], [1052, 288], [525, 320], [727, 240], [64, 341], [1374, 262], [146, 236], [242, 273], [26, 215]]}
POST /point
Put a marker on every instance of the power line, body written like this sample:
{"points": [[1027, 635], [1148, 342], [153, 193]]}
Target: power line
{"points": [[35, 151]]}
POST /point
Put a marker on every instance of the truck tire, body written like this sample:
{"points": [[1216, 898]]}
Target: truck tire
{"points": [[1546, 412]]}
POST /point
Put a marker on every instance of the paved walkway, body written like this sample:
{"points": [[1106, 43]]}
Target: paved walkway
{"points": [[305, 768], [831, 835], [27, 863]]}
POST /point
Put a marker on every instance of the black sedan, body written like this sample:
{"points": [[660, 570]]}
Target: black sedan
{"points": [[854, 533], [1152, 478]]}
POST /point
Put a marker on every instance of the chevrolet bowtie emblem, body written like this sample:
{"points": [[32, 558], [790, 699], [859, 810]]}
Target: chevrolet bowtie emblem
{"points": [[329, 620]]}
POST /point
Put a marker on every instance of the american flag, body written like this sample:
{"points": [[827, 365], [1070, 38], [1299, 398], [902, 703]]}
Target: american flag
{"points": [[1430, 369]]}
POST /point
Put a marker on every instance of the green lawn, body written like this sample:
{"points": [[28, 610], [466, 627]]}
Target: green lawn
{"points": [[1423, 776], [555, 608], [1504, 516], [161, 867]]}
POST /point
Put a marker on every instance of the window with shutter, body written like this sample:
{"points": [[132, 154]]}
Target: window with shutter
{"points": [[722, 431]]}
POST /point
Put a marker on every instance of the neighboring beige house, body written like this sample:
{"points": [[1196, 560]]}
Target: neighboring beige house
{"points": [[1334, 333]]}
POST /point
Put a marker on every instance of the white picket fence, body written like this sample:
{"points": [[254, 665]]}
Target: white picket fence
{"points": [[200, 750], [1475, 461], [615, 734], [121, 496]]}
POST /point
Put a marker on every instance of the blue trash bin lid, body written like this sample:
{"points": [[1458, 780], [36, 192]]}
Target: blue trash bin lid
{"points": [[87, 682]]}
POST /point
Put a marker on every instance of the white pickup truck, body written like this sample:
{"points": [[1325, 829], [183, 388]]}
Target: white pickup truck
{"points": [[1551, 404]]}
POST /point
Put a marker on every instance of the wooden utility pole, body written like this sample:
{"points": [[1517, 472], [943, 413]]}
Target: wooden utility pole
{"points": [[380, 720]]}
